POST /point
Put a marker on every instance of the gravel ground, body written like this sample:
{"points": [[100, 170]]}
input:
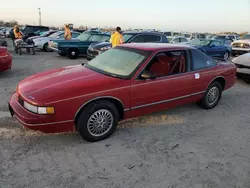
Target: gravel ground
{"points": [[185, 147]]}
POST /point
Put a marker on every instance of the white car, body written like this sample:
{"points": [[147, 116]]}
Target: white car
{"points": [[241, 46], [178, 40], [43, 42]]}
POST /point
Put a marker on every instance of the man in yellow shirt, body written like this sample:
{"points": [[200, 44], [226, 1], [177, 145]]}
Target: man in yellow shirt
{"points": [[116, 38], [67, 32], [17, 33]]}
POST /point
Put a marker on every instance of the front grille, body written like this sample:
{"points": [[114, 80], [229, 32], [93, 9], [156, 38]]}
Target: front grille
{"points": [[241, 45], [93, 52]]}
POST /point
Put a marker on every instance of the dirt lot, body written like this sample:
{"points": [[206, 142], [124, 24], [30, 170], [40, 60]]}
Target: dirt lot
{"points": [[186, 147]]}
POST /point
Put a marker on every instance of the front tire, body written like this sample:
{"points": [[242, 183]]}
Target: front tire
{"points": [[46, 47], [226, 55], [97, 121], [73, 53], [212, 96], [247, 81]]}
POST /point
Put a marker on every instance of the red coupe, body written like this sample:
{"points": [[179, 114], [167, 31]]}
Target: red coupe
{"points": [[5, 59], [127, 81]]}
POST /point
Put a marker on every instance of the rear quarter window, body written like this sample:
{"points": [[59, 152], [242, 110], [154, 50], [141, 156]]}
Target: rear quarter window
{"points": [[200, 60]]}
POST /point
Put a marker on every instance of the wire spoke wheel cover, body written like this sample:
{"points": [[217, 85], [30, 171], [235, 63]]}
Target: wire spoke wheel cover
{"points": [[100, 122], [212, 95]]}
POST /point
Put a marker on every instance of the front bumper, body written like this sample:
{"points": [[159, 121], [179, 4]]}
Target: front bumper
{"points": [[43, 123], [5, 63], [54, 49], [240, 50], [91, 54]]}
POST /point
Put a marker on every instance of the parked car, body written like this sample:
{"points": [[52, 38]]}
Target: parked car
{"points": [[128, 37], [197, 36], [241, 46], [5, 59], [30, 30], [44, 34], [178, 39], [79, 46], [43, 42], [213, 48], [126, 81], [243, 67], [3, 42], [233, 37], [7, 32]]}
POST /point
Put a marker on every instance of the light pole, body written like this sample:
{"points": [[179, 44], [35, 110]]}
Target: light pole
{"points": [[40, 18]]}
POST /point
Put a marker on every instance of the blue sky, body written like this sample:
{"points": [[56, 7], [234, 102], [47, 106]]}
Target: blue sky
{"points": [[169, 15]]}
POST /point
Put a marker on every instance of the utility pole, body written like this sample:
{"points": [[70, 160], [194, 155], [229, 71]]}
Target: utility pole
{"points": [[40, 18]]}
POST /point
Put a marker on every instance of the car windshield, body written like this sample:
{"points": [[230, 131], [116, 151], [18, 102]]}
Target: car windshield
{"points": [[126, 37], [54, 35], [187, 35], [44, 34], [220, 37], [84, 36], [170, 38], [99, 38], [199, 42], [116, 62], [246, 37]]}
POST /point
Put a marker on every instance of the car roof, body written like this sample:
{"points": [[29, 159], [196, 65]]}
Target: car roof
{"points": [[157, 46], [104, 34], [142, 32]]}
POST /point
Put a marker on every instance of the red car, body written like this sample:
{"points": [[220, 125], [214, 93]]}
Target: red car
{"points": [[127, 81], [5, 59]]}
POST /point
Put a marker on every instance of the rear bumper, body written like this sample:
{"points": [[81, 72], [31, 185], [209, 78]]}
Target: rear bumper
{"points": [[5, 63], [43, 123]]}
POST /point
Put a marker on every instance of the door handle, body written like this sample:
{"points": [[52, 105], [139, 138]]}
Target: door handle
{"points": [[197, 76]]}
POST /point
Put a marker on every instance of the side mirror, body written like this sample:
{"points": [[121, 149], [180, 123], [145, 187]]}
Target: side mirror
{"points": [[147, 75]]}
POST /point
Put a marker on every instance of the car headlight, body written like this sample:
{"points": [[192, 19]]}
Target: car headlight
{"points": [[37, 109], [105, 48]]}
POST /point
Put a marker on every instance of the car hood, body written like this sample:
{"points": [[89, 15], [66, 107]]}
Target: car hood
{"points": [[242, 60], [100, 45], [242, 41], [35, 37], [64, 83], [73, 40]]}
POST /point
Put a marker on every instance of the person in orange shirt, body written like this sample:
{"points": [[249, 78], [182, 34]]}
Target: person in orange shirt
{"points": [[67, 32], [116, 38], [17, 33]]}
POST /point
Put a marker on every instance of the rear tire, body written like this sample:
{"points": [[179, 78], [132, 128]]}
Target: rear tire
{"points": [[73, 53], [97, 121], [212, 96]]}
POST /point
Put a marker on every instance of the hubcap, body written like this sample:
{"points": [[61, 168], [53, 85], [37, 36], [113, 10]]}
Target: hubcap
{"points": [[73, 53], [212, 96], [226, 56], [100, 122]]}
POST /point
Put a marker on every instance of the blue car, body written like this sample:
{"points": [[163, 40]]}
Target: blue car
{"points": [[213, 48]]}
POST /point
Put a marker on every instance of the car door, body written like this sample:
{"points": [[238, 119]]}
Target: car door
{"points": [[169, 90], [204, 69], [213, 48]]}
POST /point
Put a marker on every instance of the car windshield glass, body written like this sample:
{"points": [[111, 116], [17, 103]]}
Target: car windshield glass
{"points": [[187, 35], [44, 34], [246, 37], [199, 42], [126, 37], [84, 36], [116, 62], [98, 38], [220, 37], [170, 38], [54, 35]]}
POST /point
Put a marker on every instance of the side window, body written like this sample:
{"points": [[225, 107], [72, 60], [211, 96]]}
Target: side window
{"points": [[138, 39], [184, 40], [152, 38], [201, 60], [167, 63], [215, 43], [74, 35], [176, 40], [29, 29]]}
